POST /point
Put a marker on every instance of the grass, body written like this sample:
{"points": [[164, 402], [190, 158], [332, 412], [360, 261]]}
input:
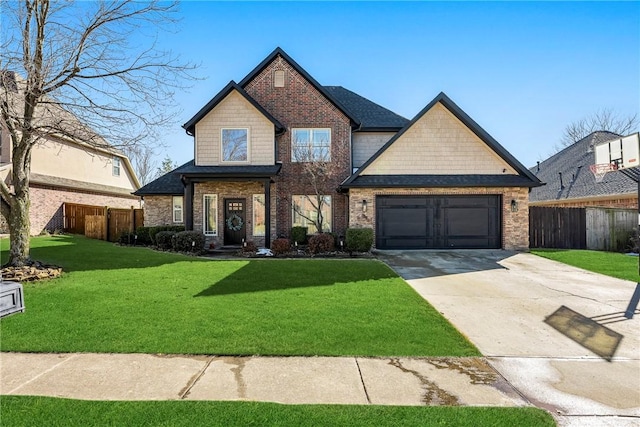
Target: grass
{"points": [[39, 411], [609, 263], [135, 300]]}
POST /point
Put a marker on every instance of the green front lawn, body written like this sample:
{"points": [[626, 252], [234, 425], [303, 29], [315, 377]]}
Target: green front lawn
{"points": [[47, 411], [609, 263], [124, 299]]}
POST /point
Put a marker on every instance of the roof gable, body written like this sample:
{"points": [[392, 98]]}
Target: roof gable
{"points": [[190, 125], [279, 52], [502, 156]]}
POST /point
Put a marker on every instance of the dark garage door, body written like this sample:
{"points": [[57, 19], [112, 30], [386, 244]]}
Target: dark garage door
{"points": [[438, 222]]}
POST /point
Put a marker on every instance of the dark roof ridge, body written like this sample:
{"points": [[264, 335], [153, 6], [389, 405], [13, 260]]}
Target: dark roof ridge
{"points": [[189, 126]]}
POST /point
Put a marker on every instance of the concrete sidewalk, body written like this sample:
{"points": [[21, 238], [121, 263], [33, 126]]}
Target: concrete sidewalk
{"points": [[295, 380]]}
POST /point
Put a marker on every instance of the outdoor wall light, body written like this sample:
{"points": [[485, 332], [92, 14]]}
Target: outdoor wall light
{"points": [[364, 205], [514, 205]]}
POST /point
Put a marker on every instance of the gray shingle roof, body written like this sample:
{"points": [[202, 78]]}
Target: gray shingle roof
{"points": [[171, 182], [370, 115], [577, 180]]}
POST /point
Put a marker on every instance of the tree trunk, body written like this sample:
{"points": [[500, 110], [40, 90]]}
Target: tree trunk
{"points": [[20, 227], [18, 218]]}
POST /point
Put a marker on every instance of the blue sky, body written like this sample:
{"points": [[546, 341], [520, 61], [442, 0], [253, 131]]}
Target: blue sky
{"points": [[522, 70]]}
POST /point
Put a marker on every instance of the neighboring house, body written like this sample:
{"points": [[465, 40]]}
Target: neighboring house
{"points": [[570, 183], [437, 181], [71, 171]]}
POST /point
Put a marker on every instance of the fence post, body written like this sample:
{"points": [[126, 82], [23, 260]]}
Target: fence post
{"points": [[106, 224]]}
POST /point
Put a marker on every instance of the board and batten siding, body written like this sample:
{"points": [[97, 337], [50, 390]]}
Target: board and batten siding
{"points": [[235, 112], [438, 143]]}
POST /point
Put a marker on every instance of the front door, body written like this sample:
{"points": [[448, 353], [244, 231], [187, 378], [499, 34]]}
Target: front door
{"points": [[234, 221]]}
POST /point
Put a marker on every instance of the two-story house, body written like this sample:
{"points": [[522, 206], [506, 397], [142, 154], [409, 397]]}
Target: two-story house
{"points": [[436, 181], [66, 170]]}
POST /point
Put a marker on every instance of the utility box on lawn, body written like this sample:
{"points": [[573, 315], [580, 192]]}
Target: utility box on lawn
{"points": [[11, 298]]}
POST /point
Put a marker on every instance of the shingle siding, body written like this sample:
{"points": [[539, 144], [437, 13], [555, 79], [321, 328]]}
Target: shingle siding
{"points": [[438, 143]]}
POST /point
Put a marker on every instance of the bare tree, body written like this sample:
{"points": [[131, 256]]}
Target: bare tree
{"points": [[318, 173], [82, 71], [603, 120], [142, 159]]}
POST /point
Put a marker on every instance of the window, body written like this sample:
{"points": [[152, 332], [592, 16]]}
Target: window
{"points": [[311, 145], [210, 212], [177, 203], [234, 145], [305, 212], [258, 215], [116, 166]]}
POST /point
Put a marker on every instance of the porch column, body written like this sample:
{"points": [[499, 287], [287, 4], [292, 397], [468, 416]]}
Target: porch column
{"points": [[267, 213], [188, 204]]}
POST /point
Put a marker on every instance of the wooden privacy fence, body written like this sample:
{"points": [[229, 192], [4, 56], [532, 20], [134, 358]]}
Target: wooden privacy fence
{"points": [[101, 222], [581, 228]]}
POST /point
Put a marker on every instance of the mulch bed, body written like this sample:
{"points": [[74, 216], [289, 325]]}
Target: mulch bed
{"points": [[30, 273]]}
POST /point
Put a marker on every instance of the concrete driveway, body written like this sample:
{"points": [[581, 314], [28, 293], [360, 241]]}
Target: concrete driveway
{"points": [[555, 332]]}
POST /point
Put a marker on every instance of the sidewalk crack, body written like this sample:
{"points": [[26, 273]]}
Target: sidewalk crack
{"points": [[73, 356], [364, 386], [192, 382]]}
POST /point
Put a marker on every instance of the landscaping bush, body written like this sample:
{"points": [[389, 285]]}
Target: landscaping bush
{"points": [[321, 243], [359, 239], [188, 241], [155, 230], [143, 236], [299, 235], [127, 238], [164, 239], [249, 248], [281, 246]]}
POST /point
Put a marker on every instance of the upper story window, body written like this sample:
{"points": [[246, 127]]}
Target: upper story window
{"points": [[116, 166], [235, 144], [311, 145]]}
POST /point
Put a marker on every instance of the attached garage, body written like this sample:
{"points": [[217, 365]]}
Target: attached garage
{"points": [[438, 222], [442, 182]]}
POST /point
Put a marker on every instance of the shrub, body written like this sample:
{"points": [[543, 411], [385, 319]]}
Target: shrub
{"points": [[155, 230], [127, 238], [299, 235], [359, 239], [188, 241], [164, 239], [320, 243], [143, 236], [280, 246], [249, 248]]}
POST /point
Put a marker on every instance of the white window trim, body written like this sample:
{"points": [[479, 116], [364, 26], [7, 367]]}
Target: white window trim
{"points": [[116, 164], [222, 160], [253, 208], [173, 210], [293, 210], [293, 155], [204, 214]]}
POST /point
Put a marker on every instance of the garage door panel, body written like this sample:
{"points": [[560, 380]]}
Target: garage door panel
{"points": [[438, 222]]}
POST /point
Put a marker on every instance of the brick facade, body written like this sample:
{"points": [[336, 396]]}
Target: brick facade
{"points": [[630, 202], [231, 190], [299, 105], [158, 210], [46, 205], [515, 225]]}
